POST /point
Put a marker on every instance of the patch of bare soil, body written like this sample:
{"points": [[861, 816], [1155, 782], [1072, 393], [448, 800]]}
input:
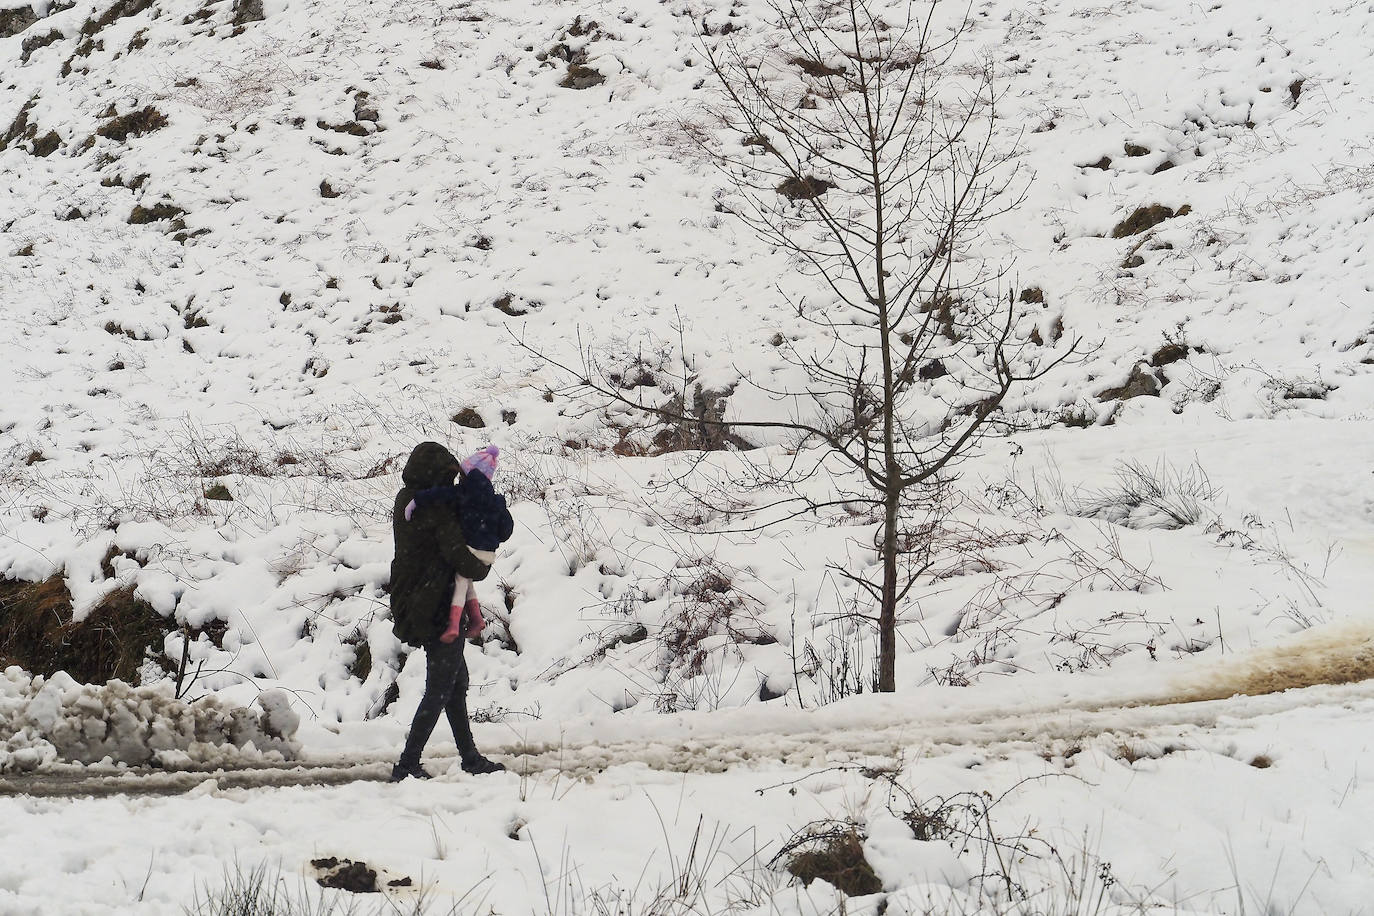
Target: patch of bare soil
{"points": [[1331, 654]]}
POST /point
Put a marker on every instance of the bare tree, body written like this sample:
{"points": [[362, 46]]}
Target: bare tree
{"points": [[863, 147]]}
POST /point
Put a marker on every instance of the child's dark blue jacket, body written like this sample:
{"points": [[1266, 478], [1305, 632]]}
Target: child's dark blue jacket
{"points": [[482, 512]]}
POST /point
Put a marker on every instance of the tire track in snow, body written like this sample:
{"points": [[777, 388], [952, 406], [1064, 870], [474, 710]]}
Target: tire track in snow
{"points": [[1047, 733], [1327, 665]]}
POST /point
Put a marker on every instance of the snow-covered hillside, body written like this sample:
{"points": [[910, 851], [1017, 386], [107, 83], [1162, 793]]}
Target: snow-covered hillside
{"points": [[253, 251], [369, 205]]}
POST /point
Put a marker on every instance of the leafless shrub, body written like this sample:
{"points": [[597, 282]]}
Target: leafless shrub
{"points": [[495, 712], [263, 890], [839, 668], [700, 880], [1264, 541], [1018, 603], [707, 603], [1099, 644], [528, 474], [576, 524], [194, 451], [232, 90]]}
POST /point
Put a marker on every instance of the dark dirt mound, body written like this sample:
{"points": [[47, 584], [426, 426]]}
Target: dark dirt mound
{"points": [[354, 877]]}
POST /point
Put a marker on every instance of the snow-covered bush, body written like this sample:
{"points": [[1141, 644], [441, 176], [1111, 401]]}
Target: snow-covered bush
{"points": [[1144, 497]]}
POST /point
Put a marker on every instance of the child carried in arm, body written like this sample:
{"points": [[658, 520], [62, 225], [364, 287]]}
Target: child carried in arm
{"points": [[486, 524]]}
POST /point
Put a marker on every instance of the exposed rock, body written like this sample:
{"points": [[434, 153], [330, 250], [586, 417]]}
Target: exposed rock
{"points": [[14, 21], [932, 370], [1056, 331], [346, 875], [117, 10], [35, 42], [767, 693], [580, 76], [470, 418], [506, 304], [220, 493], [24, 129], [47, 144], [141, 215], [812, 67], [246, 11], [20, 126], [1169, 353], [353, 128], [363, 110], [1147, 218], [1141, 383]]}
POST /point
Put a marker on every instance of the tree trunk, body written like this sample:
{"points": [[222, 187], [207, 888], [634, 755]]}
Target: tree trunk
{"points": [[887, 614]]}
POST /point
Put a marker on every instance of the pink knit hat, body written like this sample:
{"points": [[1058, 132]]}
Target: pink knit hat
{"points": [[483, 460]]}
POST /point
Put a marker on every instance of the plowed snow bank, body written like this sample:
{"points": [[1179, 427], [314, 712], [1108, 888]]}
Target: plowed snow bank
{"points": [[44, 720]]}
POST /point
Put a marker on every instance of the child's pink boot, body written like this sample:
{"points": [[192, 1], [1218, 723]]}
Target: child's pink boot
{"points": [[475, 623], [455, 625]]}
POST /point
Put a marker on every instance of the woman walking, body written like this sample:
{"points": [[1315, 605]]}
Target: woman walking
{"points": [[430, 553]]}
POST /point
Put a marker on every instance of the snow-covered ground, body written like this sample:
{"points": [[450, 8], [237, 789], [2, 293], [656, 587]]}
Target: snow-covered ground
{"points": [[375, 203], [1226, 806]]}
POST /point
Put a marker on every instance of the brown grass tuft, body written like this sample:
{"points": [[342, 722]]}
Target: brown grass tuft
{"points": [[134, 124], [808, 187], [112, 642], [837, 857]]}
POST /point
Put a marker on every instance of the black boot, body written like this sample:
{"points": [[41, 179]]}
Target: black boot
{"points": [[406, 770], [478, 765]]}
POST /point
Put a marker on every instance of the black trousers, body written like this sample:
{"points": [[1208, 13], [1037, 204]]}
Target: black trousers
{"points": [[446, 692]]}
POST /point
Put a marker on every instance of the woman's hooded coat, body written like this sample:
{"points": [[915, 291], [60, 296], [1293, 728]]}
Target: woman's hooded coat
{"points": [[430, 549]]}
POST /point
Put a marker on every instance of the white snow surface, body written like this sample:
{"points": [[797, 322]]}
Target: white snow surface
{"points": [[343, 286]]}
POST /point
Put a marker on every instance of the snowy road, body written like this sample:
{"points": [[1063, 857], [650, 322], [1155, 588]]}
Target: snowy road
{"points": [[1150, 728]]}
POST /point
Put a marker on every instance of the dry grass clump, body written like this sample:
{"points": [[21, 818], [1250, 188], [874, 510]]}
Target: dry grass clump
{"points": [[808, 187], [111, 643], [835, 854], [134, 124]]}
